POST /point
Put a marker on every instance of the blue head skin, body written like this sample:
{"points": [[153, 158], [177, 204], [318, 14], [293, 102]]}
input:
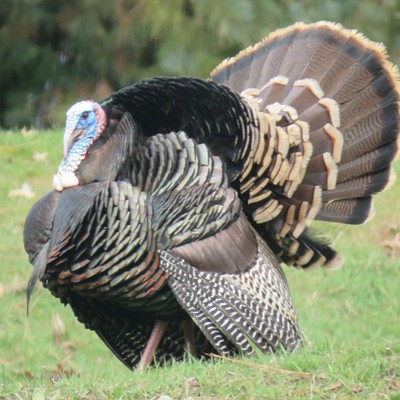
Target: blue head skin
{"points": [[86, 120]]}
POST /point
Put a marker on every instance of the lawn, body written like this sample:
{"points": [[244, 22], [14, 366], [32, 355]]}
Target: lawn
{"points": [[351, 317]]}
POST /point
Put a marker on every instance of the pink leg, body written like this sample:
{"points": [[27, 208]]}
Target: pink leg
{"points": [[152, 344], [188, 335]]}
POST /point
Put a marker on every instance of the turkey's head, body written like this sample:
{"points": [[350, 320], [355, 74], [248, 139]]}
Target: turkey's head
{"points": [[86, 121]]}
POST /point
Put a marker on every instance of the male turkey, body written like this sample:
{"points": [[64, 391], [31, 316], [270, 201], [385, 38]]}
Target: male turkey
{"points": [[306, 125], [135, 263], [306, 122]]}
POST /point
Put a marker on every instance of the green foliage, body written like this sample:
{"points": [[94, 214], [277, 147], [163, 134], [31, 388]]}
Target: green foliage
{"points": [[350, 317], [53, 52]]}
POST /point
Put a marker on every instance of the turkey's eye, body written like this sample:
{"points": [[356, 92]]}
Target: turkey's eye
{"points": [[85, 115]]}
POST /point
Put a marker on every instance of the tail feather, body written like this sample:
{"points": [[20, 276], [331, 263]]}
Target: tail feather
{"points": [[321, 171], [378, 128], [303, 94], [321, 113], [273, 91], [308, 252], [327, 139], [363, 186], [369, 163], [353, 211]]}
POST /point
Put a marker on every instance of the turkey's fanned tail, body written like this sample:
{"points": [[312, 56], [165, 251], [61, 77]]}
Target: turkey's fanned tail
{"points": [[327, 100]]}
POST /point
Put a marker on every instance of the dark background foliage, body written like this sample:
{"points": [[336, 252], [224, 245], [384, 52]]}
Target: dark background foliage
{"points": [[53, 53]]}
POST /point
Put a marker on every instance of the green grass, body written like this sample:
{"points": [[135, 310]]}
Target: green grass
{"points": [[351, 318]]}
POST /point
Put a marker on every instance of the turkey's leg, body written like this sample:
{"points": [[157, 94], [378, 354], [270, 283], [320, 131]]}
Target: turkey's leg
{"points": [[151, 346], [188, 335]]}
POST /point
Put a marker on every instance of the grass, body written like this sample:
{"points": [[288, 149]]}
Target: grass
{"points": [[351, 317]]}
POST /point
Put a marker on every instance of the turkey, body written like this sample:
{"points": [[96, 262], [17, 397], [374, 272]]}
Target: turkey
{"points": [[302, 126], [138, 263], [306, 123]]}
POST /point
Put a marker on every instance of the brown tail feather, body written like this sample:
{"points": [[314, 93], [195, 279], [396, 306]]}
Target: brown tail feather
{"points": [[354, 211], [335, 96], [362, 186], [371, 162], [376, 129]]}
